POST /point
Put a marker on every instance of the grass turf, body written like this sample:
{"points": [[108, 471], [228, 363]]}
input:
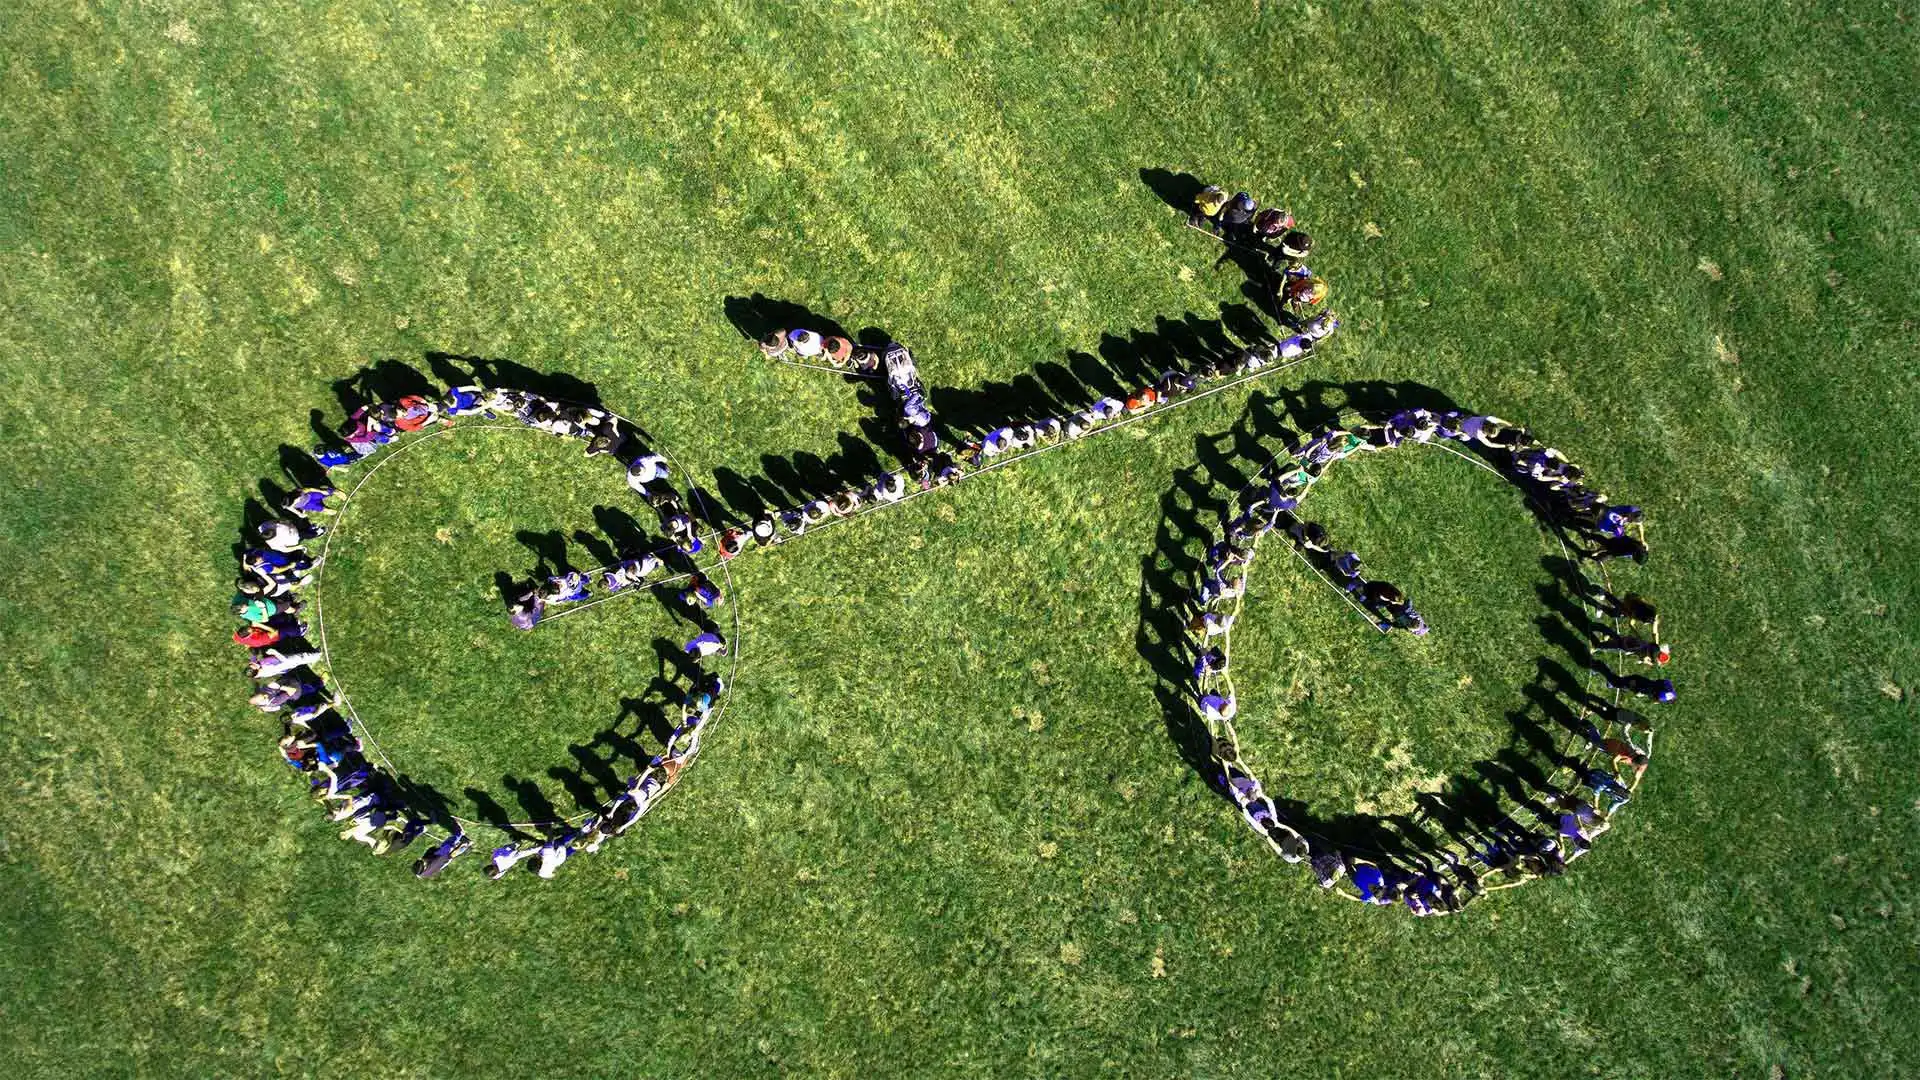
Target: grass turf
{"points": [[942, 829]]}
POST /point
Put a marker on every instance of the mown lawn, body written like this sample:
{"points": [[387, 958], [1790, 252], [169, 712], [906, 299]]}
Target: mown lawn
{"points": [[942, 829]]}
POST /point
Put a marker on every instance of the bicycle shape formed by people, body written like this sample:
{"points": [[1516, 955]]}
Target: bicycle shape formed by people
{"points": [[1491, 848]]}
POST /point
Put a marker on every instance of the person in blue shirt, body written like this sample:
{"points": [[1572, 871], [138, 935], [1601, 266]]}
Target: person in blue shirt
{"points": [[463, 400], [1371, 883], [336, 457], [1346, 565], [1605, 785], [1613, 520], [700, 591]]}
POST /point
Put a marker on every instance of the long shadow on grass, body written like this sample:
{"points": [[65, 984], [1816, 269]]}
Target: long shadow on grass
{"points": [[1506, 799]]}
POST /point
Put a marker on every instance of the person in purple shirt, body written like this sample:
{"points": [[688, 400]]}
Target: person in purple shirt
{"points": [[1328, 866], [1210, 662], [310, 501], [507, 857], [525, 609], [1573, 834], [705, 645], [567, 588], [630, 572], [1243, 788], [436, 860]]}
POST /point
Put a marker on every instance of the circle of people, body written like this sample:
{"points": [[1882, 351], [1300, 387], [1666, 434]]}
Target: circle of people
{"points": [[1613, 742], [290, 674]]}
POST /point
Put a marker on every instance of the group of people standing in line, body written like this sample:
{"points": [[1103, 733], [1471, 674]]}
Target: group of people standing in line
{"points": [[1613, 742], [290, 674], [928, 465]]}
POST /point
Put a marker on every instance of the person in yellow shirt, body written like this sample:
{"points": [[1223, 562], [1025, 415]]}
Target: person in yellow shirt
{"points": [[1206, 207]]}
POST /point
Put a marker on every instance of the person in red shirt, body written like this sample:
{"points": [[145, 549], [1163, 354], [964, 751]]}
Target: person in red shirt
{"points": [[414, 412], [256, 636]]}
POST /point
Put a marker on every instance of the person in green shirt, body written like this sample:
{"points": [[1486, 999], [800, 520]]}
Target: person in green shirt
{"points": [[258, 609]]}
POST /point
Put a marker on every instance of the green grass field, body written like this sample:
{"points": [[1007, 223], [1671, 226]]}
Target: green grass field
{"points": [[942, 829]]}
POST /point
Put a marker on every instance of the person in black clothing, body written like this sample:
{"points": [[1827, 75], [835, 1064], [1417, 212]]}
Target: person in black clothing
{"points": [[1236, 219]]}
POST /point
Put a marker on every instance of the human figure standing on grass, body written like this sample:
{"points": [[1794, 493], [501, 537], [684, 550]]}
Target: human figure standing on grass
{"points": [[506, 857], [1660, 690], [554, 853], [436, 860], [526, 607], [567, 588], [1632, 607], [270, 662], [705, 645], [1618, 547], [1236, 219], [1207, 206], [1642, 649]]}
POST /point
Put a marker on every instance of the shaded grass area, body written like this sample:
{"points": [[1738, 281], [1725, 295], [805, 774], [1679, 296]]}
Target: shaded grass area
{"points": [[943, 828]]}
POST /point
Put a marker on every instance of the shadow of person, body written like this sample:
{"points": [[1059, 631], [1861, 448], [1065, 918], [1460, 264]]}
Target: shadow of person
{"points": [[740, 493], [549, 547], [533, 802], [597, 547], [649, 715], [487, 809], [1176, 189], [301, 468], [501, 374], [758, 315], [384, 381], [586, 795], [624, 532]]}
